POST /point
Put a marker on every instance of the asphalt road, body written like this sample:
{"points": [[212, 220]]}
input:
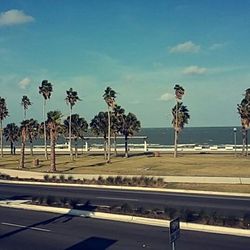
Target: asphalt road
{"points": [[221, 204], [24, 230]]}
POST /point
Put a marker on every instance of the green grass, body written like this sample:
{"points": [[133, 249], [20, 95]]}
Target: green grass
{"points": [[185, 165]]}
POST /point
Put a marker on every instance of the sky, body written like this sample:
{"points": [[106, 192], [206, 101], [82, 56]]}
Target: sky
{"points": [[140, 48]]}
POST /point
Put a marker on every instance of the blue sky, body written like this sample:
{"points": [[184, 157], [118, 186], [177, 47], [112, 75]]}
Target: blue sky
{"points": [[140, 48]]}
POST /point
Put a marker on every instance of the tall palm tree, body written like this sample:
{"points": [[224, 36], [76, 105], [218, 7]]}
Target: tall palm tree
{"points": [[32, 133], [79, 126], [55, 127], [11, 134], [244, 111], [45, 90], [71, 100], [117, 119], [131, 125], [3, 114], [23, 134], [99, 126], [179, 92], [25, 103], [180, 118], [109, 97]]}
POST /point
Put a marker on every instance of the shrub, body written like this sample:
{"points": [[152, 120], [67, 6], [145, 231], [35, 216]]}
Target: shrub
{"points": [[62, 178], [246, 220], [73, 203], [171, 213], [118, 180], [53, 178], [100, 180], [110, 180], [46, 177], [50, 200], [40, 199], [70, 178], [63, 201], [232, 221], [126, 208]]}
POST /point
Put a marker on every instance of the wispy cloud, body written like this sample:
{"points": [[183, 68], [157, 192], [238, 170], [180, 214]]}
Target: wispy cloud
{"points": [[24, 83], [14, 17], [186, 47], [167, 97], [216, 46], [194, 70]]}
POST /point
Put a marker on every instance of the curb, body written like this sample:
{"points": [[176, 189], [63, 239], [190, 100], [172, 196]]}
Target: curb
{"points": [[131, 219], [129, 188]]}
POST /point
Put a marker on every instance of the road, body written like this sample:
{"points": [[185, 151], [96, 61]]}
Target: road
{"points": [[149, 200], [29, 230]]}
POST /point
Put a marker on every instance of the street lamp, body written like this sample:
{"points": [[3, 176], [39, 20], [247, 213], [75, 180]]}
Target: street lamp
{"points": [[235, 131]]}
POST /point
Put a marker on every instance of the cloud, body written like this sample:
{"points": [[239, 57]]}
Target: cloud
{"points": [[167, 97], [14, 17], [194, 70], [216, 46], [24, 83], [187, 47]]}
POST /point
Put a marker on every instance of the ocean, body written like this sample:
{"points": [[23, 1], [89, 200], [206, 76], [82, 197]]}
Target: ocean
{"points": [[165, 136]]}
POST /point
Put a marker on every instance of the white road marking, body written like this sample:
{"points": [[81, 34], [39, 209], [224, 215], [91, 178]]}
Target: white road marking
{"points": [[114, 198], [27, 227]]}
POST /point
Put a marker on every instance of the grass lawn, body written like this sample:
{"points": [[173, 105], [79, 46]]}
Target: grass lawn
{"points": [[185, 165]]}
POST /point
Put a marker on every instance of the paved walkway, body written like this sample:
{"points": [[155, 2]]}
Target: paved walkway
{"points": [[181, 179]]}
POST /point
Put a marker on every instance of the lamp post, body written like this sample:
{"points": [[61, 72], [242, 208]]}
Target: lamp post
{"points": [[235, 131]]}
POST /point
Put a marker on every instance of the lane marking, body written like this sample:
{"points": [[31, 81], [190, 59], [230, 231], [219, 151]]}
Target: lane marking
{"points": [[114, 198], [27, 227]]}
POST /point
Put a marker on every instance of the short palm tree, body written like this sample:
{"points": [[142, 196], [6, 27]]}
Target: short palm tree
{"points": [[117, 119], [244, 111], [109, 97], [32, 133], [79, 126], [45, 90], [71, 99], [178, 115], [131, 125], [3, 114], [25, 103], [55, 127], [11, 134], [23, 132], [180, 118], [99, 126]]}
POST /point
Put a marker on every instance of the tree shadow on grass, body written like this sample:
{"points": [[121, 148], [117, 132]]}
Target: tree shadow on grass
{"points": [[93, 243]]}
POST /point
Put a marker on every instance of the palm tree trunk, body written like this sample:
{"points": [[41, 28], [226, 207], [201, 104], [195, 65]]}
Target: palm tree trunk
{"points": [[109, 132], [243, 141], [175, 143], [24, 114], [70, 132], [23, 136], [11, 147], [105, 148], [31, 148], [45, 132], [176, 133], [76, 149], [115, 148], [1, 137], [246, 142], [126, 146], [52, 151]]}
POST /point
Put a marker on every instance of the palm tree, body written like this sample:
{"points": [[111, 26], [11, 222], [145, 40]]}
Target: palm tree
{"points": [[117, 120], [32, 133], [23, 134], [179, 92], [71, 100], [25, 103], [99, 126], [3, 114], [11, 134], [45, 90], [130, 125], [79, 126], [109, 97], [244, 111], [54, 125], [180, 118]]}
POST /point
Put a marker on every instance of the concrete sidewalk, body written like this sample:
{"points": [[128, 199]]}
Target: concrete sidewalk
{"points": [[180, 179]]}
